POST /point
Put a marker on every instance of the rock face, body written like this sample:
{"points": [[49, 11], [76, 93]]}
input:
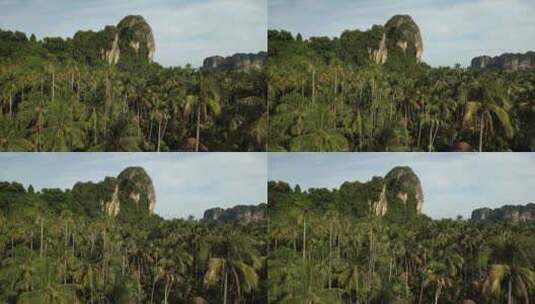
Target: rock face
{"points": [[131, 39], [136, 186], [400, 191], [112, 53], [404, 34], [236, 62], [132, 190], [505, 62], [400, 38], [380, 53], [237, 214], [404, 187], [508, 213], [135, 36], [380, 206]]}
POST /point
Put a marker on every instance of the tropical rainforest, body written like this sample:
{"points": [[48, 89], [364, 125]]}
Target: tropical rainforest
{"points": [[101, 91], [332, 246], [62, 246], [370, 91]]}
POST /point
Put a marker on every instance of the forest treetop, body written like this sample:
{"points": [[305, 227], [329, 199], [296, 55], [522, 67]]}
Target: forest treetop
{"points": [[398, 194], [399, 39], [131, 40], [129, 195]]}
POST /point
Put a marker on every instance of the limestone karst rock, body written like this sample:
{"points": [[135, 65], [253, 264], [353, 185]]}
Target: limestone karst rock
{"points": [[135, 186], [112, 53], [136, 37], [213, 62], [400, 190], [380, 53], [481, 214], [400, 38], [131, 39], [132, 190], [404, 187], [237, 62], [380, 206], [238, 214], [505, 62], [402, 33], [508, 213]]}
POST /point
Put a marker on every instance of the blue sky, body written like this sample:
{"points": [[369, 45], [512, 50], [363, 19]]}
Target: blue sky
{"points": [[185, 183], [453, 183], [454, 31], [186, 31]]}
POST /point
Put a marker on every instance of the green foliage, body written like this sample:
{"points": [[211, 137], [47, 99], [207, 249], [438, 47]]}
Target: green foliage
{"points": [[401, 105], [58, 247], [60, 95], [336, 254]]}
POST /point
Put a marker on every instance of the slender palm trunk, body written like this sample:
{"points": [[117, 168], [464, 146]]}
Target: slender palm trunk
{"points": [[437, 293], [152, 291], [390, 268], [78, 89], [53, 85], [357, 291], [198, 128], [361, 137], [430, 147], [159, 133], [481, 127], [123, 265], [166, 291], [313, 86], [150, 130], [421, 297], [330, 253], [42, 244], [10, 104], [95, 128], [419, 135], [510, 292], [225, 286], [304, 237]]}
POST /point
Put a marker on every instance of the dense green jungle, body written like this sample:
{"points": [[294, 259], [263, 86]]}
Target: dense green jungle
{"points": [[64, 246], [99, 92], [370, 91], [336, 246]]}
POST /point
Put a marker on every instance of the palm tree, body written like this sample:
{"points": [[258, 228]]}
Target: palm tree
{"points": [[510, 269], [318, 132], [234, 260], [122, 135], [11, 137], [47, 288], [492, 103], [63, 131], [205, 98]]}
